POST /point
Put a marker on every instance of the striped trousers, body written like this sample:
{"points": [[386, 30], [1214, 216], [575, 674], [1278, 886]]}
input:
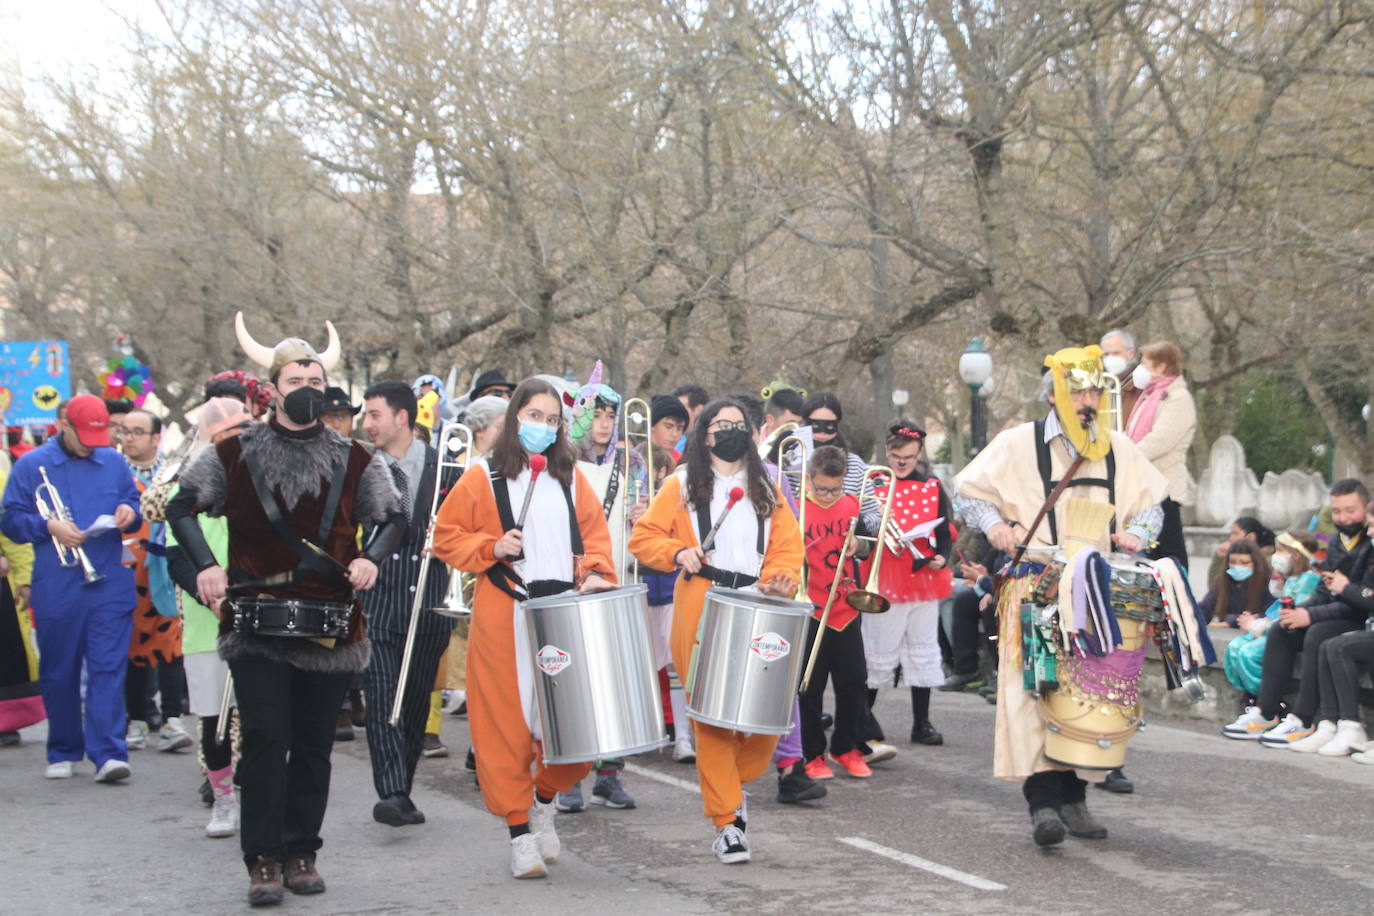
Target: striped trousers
{"points": [[396, 751]]}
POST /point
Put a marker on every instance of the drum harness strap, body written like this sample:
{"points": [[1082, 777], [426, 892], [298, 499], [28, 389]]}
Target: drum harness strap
{"points": [[612, 487], [310, 560], [1042, 459], [507, 579], [725, 578]]}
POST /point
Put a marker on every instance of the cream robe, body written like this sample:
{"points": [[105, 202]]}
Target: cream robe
{"points": [[1006, 474]]}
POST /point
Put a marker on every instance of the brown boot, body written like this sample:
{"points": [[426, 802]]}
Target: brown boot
{"points": [[301, 877], [264, 882]]}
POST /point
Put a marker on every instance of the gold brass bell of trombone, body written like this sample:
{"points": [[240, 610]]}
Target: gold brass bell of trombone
{"points": [[867, 600]]}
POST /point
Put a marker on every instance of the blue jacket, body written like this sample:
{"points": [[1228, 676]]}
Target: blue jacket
{"points": [[90, 487]]}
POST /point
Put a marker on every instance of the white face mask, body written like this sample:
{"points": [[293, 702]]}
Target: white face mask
{"points": [[1283, 564], [1141, 377], [1115, 364]]}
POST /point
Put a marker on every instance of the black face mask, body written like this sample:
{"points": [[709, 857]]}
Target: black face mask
{"points": [[731, 444], [1353, 528], [824, 427], [303, 406]]}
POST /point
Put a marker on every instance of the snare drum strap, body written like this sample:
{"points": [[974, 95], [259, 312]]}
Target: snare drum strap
{"points": [[268, 500], [501, 574]]}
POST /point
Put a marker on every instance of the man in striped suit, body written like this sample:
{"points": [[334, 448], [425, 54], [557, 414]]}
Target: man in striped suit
{"points": [[389, 422]]}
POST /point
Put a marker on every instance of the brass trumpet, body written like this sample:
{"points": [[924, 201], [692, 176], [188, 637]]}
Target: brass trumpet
{"points": [[50, 507], [867, 600], [455, 451]]}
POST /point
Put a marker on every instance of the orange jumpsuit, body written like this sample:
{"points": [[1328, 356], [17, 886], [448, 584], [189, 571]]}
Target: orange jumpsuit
{"points": [[466, 530], [726, 759]]}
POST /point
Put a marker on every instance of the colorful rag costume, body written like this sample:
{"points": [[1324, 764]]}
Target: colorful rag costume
{"points": [[21, 700]]}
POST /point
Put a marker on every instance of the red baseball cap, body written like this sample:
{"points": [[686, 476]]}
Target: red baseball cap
{"points": [[89, 417]]}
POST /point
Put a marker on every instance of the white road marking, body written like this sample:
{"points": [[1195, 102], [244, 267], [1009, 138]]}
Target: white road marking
{"points": [[935, 868], [662, 777]]}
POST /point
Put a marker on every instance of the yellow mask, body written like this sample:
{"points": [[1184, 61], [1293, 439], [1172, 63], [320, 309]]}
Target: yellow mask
{"points": [[1078, 369]]}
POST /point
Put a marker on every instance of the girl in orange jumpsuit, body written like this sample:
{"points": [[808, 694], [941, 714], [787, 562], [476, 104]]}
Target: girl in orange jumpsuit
{"points": [[475, 532], [720, 456]]}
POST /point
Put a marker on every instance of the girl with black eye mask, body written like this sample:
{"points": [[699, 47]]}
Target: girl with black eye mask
{"points": [[823, 413]]}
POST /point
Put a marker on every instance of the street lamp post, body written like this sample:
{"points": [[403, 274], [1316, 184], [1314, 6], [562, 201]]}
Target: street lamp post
{"points": [[975, 368]]}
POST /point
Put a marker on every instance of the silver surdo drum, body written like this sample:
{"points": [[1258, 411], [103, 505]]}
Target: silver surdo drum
{"points": [[747, 661], [594, 674], [263, 615]]}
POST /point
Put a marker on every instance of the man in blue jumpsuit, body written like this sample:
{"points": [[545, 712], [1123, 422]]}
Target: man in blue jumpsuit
{"points": [[78, 620]]}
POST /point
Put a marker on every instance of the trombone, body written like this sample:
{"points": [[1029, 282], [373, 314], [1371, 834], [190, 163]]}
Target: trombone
{"points": [[51, 506], [1114, 398], [455, 451], [829, 604], [779, 436], [868, 600], [783, 481], [636, 411]]}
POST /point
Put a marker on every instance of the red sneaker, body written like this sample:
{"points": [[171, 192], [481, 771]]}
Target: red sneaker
{"points": [[852, 762], [817, 768]]}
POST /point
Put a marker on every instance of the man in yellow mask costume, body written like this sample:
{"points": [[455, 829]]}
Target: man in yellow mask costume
{"points": [[1001, 492]]}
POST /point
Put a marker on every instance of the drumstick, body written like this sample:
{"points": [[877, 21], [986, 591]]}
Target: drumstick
{"points": [[222, 725], [537, 465], [736, 494]]}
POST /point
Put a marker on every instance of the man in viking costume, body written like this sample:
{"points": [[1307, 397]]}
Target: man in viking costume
{"points": [[291, 627], [1004, 492]]}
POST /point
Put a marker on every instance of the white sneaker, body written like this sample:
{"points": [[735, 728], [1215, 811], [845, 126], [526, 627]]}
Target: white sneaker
{"points": [[541, 826], [1366, 757], [525, 860], [878, 752], [137, 737], [683, 749], [1250, 726], [173, 737], [730, 845], [1285, 733], [112, 771], [1350, 737], [224, 816], [63, 769], [1324, 732]]}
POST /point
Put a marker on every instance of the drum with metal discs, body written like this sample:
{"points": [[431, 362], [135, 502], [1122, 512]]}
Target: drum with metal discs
{"points": [[262, 615]]}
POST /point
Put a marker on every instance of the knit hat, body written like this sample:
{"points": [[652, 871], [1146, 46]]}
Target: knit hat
{"points": [[667, 407]]}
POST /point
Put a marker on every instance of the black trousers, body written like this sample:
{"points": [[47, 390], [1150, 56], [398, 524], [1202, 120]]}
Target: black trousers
{"points": [[1280, 648], [167, 680], [1053, 789], [287, 719], [964, 624], [1343, 658], [841, 661], [396, 751], [1171, 543]]}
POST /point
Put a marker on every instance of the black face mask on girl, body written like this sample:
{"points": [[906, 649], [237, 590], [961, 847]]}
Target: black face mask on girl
{"points": [[731, 444], [303, 405]]}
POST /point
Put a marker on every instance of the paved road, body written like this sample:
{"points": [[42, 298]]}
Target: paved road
{"points": [[930, 832]]}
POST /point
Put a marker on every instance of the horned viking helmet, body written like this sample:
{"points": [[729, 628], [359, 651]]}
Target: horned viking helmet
{"points": [[290, 350]]}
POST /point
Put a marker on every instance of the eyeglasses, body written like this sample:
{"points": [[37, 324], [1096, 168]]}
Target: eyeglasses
{"points": [[824, 426], [722, 425], [129, 431], [827, 492]]}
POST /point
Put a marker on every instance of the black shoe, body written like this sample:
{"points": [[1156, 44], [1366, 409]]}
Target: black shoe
{"points": [[827, 720], [207, 794], [9, 739], [1117, 782], [1047, 827], [957, 682], [925, 733], [357, 708], [396, 811], [795, 786]]}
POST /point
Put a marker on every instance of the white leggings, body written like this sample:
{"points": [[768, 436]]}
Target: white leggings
{"points": [[908, 633]]}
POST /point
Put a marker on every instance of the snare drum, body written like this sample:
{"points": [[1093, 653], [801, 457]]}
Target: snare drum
{"points": [[595, 678], [747, 662], [263, 615]]}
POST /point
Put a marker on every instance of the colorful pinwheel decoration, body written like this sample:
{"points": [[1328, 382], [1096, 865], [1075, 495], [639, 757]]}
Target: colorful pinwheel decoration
{"points": [[126, 379]]}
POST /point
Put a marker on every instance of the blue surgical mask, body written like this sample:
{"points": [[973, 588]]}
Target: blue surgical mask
{"points": [[1240, 573], [537, 437]]}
